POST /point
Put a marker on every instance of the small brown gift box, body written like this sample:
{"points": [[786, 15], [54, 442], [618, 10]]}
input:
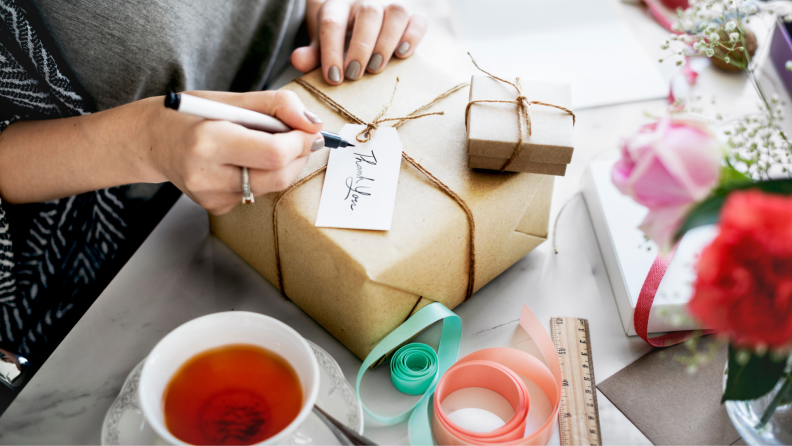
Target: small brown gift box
{"points": [[361, 285], [493, 128]]}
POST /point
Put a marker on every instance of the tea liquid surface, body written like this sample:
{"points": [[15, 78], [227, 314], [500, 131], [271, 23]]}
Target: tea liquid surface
{"points": [[234, 394]]}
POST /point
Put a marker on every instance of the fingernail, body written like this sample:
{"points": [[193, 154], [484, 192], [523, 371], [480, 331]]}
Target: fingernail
{"points": [[334, 74], [375, 62], [318, 144], [353, 70], [403, 48], [312, 117]]}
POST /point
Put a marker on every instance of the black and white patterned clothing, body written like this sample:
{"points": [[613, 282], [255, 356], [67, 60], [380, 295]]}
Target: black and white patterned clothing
{"points": [[55, 253], [50, 250]]}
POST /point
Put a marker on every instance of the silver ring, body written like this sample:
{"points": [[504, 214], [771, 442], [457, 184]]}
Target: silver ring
{"points": [[247, 196]]}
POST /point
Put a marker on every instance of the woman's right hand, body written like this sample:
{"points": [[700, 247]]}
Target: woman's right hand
{"points": [[204, 158], [144, 142]]}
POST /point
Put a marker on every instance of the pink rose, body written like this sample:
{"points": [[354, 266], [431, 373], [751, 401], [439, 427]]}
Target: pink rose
{"points": [[668, 166]]}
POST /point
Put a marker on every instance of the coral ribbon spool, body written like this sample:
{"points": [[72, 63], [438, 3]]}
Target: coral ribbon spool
{"points": [[547, 377], [489, 375]]}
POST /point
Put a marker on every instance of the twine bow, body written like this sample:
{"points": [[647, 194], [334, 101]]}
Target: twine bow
{"points": [[523, 111], [364, 136]]}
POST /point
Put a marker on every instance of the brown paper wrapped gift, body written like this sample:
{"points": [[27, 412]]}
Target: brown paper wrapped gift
{"points": [[494, 130], [361, 285]]}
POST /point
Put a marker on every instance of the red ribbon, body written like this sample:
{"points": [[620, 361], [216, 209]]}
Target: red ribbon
{"points": [[663, 13], [644, 306]]}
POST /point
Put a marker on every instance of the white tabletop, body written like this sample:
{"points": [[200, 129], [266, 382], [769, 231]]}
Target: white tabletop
{"points": [[182, 272]]}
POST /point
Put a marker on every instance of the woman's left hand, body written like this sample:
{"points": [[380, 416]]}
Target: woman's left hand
{"points": [[377, 34]]}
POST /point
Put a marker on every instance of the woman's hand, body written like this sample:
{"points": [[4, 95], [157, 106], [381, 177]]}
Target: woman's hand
{"points": [[204, 158], [144, 142], [377, 34]]}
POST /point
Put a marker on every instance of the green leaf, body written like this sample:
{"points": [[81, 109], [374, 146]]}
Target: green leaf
{"points": [[786, 398], [731, 178], [708, 211], [753, 379]]}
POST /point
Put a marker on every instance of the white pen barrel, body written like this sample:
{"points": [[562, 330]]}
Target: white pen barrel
{"points": [[207, 109]]}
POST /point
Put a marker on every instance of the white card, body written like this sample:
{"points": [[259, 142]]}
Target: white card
{"points": [[359, 189]]}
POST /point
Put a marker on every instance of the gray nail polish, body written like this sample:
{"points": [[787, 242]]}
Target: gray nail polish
{"points": [[375, 62], [318, 144], [312, 117], [334, 74], [403, 48], [353, 70]]}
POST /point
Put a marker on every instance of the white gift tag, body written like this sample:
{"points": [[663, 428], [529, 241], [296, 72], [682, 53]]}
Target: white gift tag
{"points": [[359, 189]]}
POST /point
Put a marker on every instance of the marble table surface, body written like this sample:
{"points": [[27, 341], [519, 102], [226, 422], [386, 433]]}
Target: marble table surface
{"points": [[182, 272]]}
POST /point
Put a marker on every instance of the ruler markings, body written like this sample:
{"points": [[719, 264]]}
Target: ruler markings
{"points": [[578, 416]]}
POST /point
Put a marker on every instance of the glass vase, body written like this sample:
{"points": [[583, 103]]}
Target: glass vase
{"points": [[746, 416]]}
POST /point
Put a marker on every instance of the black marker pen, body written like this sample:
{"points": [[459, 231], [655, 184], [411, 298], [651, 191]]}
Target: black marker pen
{"points": [[208, 109]]}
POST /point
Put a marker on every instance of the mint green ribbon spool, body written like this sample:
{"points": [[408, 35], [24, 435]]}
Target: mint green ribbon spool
{"points": [[413, 368], [447, 352]]}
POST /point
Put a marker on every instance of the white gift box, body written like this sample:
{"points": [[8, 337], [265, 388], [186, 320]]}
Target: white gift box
{"points": [[628, 254]]}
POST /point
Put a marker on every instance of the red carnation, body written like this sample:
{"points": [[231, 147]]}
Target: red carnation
{"points": [[744, 284]]}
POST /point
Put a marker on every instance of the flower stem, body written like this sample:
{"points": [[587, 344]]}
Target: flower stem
{"points": [[768, 413], [749, 66]]}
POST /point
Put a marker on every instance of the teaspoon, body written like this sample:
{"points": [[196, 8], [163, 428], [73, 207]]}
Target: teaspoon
{"points": [[344, 434]]}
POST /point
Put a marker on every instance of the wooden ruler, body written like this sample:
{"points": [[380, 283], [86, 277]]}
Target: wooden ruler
{"points": [[578, 416]]}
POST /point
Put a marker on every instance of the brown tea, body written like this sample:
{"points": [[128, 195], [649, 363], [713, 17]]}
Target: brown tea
{"points": [[235, 394]]}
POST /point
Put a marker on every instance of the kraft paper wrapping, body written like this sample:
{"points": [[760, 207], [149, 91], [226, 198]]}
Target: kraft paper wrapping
{"points": [[361, 285], [493, 129]]}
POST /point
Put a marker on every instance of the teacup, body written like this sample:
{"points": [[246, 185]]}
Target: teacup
{"points": [[217, 330]]}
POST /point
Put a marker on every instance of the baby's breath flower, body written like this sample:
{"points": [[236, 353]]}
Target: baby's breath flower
{"points": [[742, 357], [757, 143]]}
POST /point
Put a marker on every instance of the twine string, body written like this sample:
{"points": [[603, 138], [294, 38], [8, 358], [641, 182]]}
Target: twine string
{"points": [[523, 111], [365, 136]]}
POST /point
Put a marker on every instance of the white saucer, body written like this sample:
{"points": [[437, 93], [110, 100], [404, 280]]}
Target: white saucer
{"points": [[124, 423]]}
